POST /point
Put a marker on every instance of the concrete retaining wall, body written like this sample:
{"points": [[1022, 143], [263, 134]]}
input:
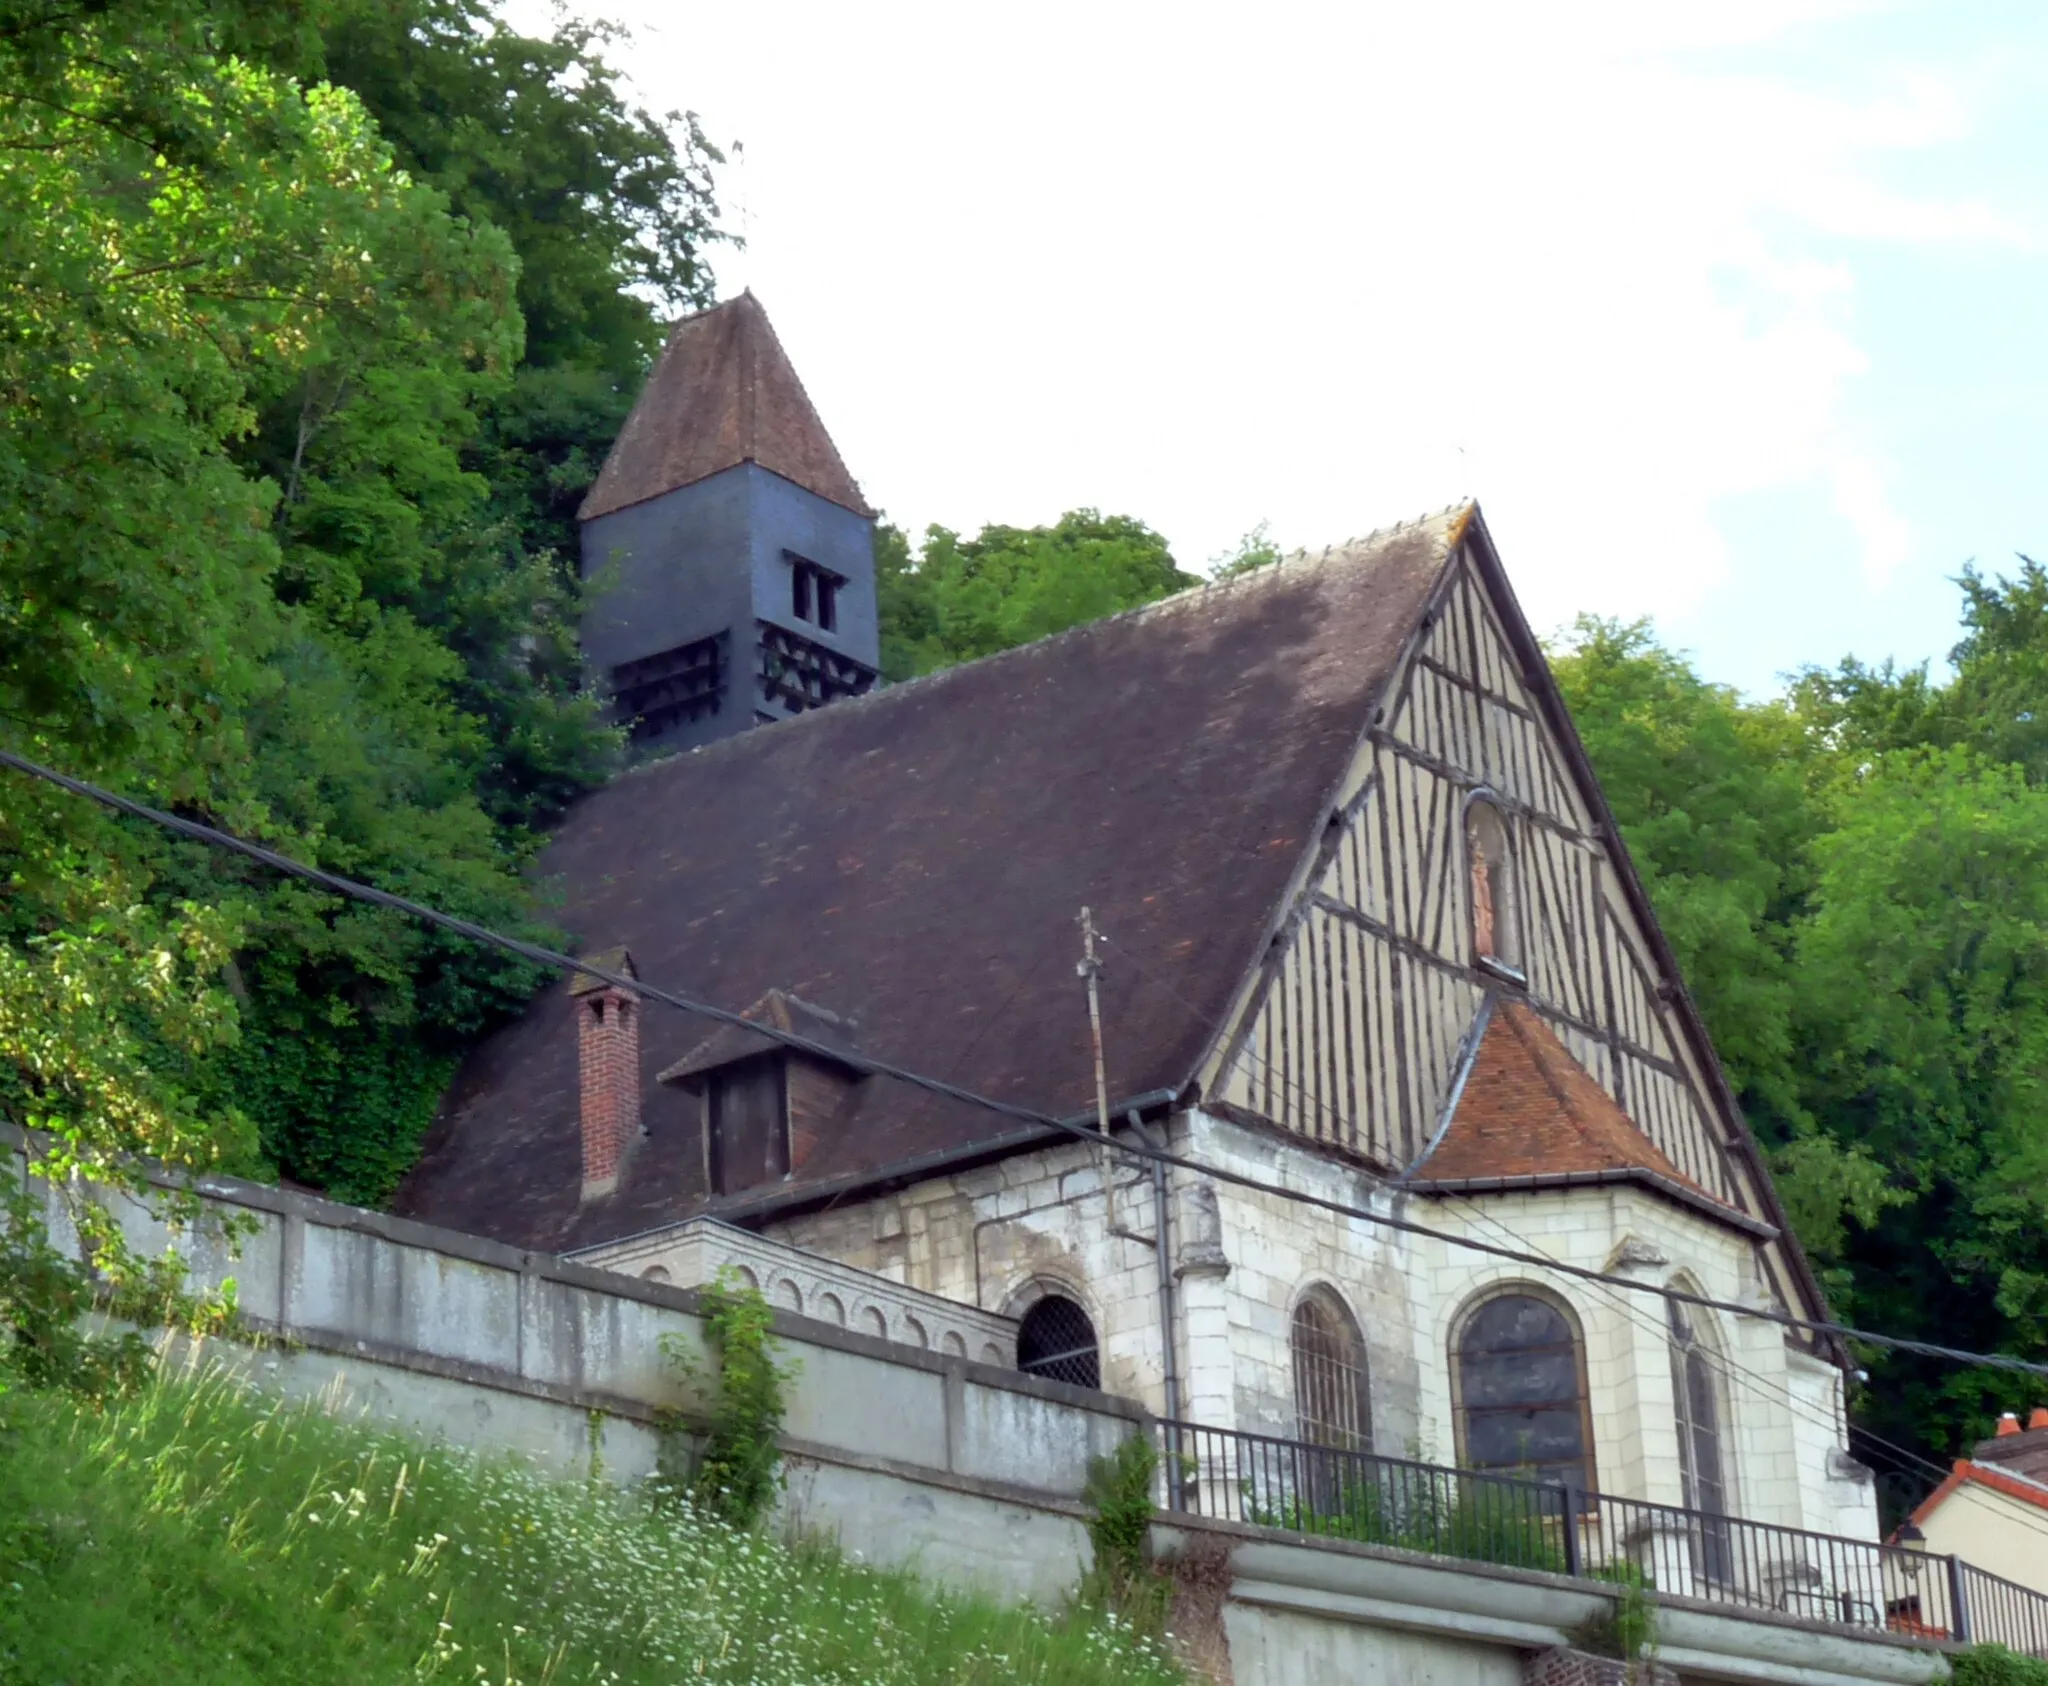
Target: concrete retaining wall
{"points": [[971, 1472]]}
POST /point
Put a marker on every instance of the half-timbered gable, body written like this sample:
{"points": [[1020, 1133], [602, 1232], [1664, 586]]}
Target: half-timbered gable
{"points": [[1403, 937]]}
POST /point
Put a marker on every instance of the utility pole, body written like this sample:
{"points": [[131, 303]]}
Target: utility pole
{"points": [[1090, 968]]}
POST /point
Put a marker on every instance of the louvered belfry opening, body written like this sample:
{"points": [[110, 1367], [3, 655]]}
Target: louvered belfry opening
{"points": [[1332, 1392], [1056, 1340], [677, 687]]}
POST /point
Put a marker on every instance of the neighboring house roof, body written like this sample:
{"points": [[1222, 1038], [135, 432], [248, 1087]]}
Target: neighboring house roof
{"points": [[722, 393], [916, 860], [1525, 1114], [1968, 1472]]}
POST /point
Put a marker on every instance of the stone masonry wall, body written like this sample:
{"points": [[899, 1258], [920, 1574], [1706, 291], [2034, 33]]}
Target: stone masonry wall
{"points": [[998, 1236]]}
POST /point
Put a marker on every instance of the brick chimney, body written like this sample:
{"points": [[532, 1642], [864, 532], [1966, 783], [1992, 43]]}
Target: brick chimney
{"points": [[608, 1062], [2021, 1450]]}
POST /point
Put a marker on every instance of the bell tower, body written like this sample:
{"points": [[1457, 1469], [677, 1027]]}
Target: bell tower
{"points": [[729, 553]]}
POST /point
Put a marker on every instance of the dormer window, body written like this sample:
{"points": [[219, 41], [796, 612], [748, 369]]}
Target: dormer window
{"points": [[1496, 903], [814, 594], [765, 1105]]}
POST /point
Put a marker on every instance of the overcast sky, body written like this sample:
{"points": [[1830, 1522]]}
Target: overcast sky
{"points": [[1733, 314]]}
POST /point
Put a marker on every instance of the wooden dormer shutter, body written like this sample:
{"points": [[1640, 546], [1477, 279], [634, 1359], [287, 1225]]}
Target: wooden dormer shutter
{"points": [[749, 1123]]}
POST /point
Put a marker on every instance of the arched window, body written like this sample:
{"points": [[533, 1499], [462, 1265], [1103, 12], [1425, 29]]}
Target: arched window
{"points": [[1521, 1380], [1696, 1390], [1332, 1399], [1056, 1340], [1696, 1385], [1496, 910]]}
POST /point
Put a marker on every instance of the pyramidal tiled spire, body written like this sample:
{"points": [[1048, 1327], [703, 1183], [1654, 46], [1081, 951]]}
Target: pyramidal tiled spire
{"points": [[722, 393]]}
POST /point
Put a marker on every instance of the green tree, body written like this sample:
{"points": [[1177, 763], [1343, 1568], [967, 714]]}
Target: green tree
{"points": [[261, 556], [610, 208], [1711, 796], [176, 229], [1717, 800], [961, 599], [1255, 550], [1922, 1016]]}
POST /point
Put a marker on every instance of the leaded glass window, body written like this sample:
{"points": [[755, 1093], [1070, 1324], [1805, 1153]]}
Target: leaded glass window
{"points": [[1522, 1391]]}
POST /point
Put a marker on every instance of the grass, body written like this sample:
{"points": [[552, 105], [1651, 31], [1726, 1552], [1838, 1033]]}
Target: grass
{"points": [[198, 1533]]}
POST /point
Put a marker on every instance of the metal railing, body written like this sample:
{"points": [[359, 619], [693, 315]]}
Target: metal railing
{"points": [[1525, 1524], [2000, 1611]]}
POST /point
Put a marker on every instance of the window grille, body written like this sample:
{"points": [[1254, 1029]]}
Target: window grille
{"points": [[1522, 1392], [1057, 1341], [1332, 1395]]}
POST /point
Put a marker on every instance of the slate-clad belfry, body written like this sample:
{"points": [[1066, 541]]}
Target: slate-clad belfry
{"points": [[728, 553]]}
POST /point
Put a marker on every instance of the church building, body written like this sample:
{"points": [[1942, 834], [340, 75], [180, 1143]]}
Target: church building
{"points": [[1359, 926]]}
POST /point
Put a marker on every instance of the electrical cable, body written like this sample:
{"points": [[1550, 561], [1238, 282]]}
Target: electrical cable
{"points": [[1752, 1382], [883, 1068]]}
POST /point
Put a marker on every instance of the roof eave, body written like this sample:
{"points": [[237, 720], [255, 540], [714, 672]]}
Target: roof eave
{"points": [[584, 513], [786, 1199], [1640, 1176]]}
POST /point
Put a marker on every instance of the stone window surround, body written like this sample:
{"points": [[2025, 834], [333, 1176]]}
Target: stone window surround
{"points": [[1523, 1287]]}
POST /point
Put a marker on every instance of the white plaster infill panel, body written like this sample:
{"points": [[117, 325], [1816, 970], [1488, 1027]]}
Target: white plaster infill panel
{"points": [[691, 1254]]}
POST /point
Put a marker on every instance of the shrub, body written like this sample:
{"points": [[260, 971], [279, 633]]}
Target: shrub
{"points": [[1480, 1520], [1994, 1665], [739, 1468]]}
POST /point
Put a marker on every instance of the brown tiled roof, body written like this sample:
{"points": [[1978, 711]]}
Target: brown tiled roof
{"points": [[722, 393], [1529, 1115], [916, 860]]}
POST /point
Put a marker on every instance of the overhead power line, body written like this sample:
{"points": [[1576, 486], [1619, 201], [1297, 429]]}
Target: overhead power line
{"points": [[1738, 1374], [1130, 1148]]}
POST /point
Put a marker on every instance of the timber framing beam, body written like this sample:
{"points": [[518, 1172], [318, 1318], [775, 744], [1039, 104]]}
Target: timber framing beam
{"points": [[1410, 949], [1472, 687], [1396, 745]]}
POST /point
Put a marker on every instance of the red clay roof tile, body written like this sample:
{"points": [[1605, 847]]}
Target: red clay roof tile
{"points": [[1528, 1109], [722, 393]]}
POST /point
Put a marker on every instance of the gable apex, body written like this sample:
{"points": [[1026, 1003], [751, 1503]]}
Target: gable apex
{"points": [[722, 393]]}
